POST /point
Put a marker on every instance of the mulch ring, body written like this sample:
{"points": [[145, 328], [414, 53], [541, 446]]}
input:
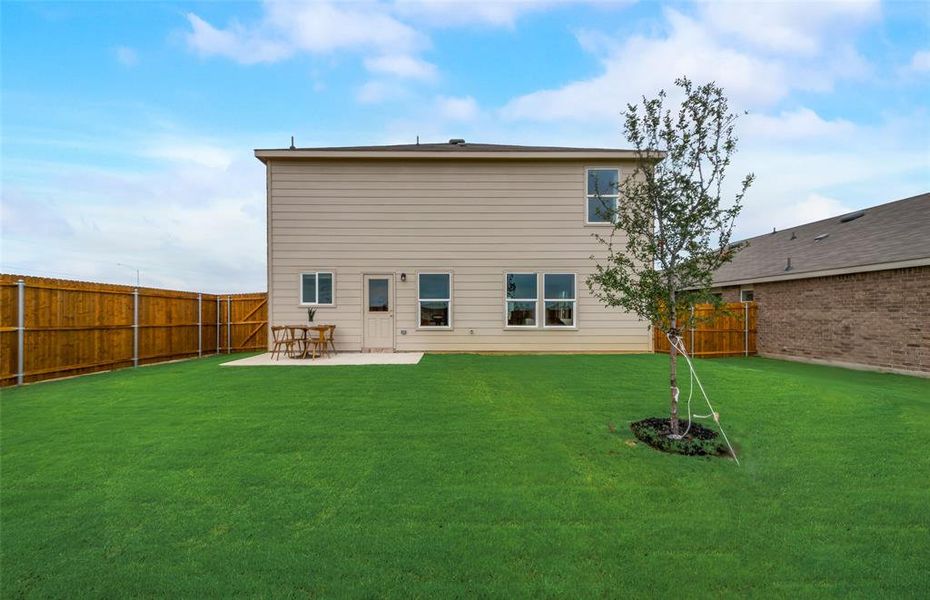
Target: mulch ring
{"points": [[700, 441]]}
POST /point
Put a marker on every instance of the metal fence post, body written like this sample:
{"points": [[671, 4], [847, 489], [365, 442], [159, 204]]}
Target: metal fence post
{"points": [[746, 329], [199, 324], [135, 327], [228, 324], [217, 324], [20, 331]]}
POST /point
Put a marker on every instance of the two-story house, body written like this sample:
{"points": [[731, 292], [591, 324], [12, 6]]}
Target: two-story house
{"points": [[445, 247]]}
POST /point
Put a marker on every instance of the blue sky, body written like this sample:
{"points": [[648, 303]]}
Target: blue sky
{"points": [[128, 128]]}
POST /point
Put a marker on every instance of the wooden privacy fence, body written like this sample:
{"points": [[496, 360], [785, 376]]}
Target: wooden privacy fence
{"points": [[53, 328], [729, 332]]}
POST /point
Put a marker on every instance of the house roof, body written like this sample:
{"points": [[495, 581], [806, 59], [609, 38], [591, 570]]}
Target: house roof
{"points": [[892, 235], [451, 149]]}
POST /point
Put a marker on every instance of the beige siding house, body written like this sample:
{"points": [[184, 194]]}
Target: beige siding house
{"points": [[445, 247]]}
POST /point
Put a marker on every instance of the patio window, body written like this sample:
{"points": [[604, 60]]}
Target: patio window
{"points": [[434, 300], [559, 299], [602, 194], [521, 295], [316, 289]]}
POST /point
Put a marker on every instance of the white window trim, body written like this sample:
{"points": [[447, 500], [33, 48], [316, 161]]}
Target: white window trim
{"points": [[421, 300], [316, 274], [750, 290], [574, 302], [533, 300], [587, 196]]}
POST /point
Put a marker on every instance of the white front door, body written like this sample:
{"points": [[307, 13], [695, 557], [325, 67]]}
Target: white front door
{"points": [[378, 314]]}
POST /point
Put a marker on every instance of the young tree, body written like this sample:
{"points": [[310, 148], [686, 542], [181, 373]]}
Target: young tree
{"points": [[671, 228]]}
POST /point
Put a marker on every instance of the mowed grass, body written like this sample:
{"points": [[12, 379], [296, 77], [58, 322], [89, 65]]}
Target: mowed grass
{"points": [[464, 476]]}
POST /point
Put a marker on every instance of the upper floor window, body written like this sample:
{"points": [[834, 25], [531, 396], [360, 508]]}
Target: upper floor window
{"points": [[602, 193], [316, 289], [434, 299]]}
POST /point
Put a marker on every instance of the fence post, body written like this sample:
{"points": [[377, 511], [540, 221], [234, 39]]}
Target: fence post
{"points": [[199, 324], [692, 330], [228, 324], [217, 324], [745, 329], [20, 331], [135, 327]]}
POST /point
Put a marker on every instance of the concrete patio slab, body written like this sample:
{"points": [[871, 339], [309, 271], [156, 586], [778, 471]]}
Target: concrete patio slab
{"points": [[341, 359]]}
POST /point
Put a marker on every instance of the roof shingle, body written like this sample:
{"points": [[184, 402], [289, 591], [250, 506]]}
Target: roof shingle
{"points": [[893, 232]]}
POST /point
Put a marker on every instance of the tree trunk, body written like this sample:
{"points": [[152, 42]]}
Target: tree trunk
{"points": [[673, 369], [673, 383]]}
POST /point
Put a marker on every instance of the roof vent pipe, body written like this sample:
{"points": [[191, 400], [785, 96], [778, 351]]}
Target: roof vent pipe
{"points": [[788, 266], [293, 147]]}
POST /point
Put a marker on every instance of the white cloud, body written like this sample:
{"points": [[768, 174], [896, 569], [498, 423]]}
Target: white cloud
{"points": [[457, 109], [814, 207], [402, 65], [857, 167], [457, 13], [793, 125], [791, 27], [189, 152], [920, 62], [817, 207], [186, 227], [642, 65], [126, 56], [380, 31], [807, 48], [758, 217], [315, 27], [186, 208], [320, 27], [237, 43]]}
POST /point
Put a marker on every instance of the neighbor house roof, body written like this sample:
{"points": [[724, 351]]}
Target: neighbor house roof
{"points": [[450, 149], [888, 236]]}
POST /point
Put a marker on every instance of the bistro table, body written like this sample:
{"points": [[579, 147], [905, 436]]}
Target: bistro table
{"points": [[304, 338]]}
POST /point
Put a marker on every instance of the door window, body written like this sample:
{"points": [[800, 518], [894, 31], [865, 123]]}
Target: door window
{"points": [[378, 295]]}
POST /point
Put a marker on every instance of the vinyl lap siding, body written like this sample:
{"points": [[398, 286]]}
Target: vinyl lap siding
{"points": [[477, 219]]}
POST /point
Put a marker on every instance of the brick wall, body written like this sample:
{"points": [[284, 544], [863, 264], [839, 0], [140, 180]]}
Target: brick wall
{"points": [[879, 319], [729, 294]]}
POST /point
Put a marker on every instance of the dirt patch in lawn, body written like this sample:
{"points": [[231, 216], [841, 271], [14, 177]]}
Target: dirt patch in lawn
{"points": [[700, 441]]}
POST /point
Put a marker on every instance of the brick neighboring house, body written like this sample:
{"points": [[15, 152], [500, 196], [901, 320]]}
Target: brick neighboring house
{"points": [[851, 291]]}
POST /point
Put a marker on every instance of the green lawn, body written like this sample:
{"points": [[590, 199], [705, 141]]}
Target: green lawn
{"points": [[462, 476]]}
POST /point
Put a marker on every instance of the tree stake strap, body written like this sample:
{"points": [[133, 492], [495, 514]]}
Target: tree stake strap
{"points": [[675, 341]]}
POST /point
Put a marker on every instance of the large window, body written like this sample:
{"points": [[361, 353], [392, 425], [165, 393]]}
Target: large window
{"points": [[521, 296], [559, 299], [434, 300], [316, 289], [602, 193]]}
